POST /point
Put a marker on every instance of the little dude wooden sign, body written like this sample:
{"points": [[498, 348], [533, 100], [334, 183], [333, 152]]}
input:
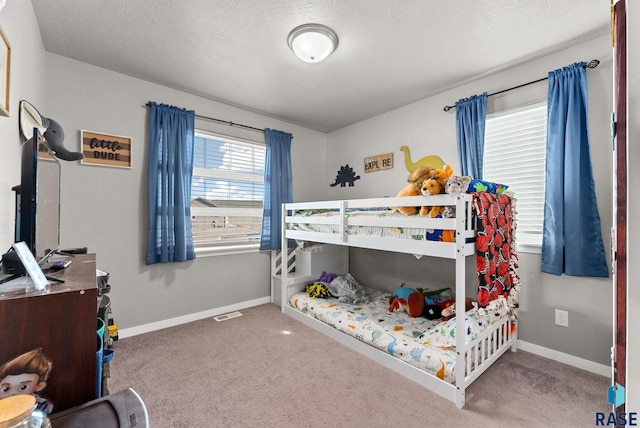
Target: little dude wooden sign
{"points": [[104, 149]]}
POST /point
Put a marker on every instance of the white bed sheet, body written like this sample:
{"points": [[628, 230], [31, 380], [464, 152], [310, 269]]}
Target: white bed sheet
{"points": [[393, 332]]}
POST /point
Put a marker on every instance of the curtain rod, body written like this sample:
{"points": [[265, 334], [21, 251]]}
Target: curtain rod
{"points": [[591, 64], [228, 122]]}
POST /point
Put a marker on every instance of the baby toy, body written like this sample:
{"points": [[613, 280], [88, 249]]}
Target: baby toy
{"points": [[435, 185], [408, 299]]}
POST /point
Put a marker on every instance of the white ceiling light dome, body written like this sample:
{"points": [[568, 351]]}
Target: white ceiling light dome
{"points": [[312, 42]]}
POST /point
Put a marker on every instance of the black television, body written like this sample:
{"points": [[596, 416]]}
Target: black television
{"points": [[38, 198]]}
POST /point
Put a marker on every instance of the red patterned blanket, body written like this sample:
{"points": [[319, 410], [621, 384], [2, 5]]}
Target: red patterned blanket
{"points": [[495, 246]]}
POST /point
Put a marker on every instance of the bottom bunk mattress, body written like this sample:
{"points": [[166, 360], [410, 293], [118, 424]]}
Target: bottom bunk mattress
{"points": [[426, 344]]}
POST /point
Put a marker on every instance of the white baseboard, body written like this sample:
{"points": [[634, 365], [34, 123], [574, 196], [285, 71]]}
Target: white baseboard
{"points": [[172, 322], [568, 359]]}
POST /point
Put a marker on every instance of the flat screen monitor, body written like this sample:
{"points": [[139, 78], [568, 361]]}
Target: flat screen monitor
{"points": [[38, 197]]}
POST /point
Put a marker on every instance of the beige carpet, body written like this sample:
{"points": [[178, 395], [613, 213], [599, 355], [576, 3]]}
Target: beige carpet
{"points": [[264, 369]]}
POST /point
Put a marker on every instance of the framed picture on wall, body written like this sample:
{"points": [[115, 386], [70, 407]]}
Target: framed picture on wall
{"points": [[105, 149], [5, 73]]}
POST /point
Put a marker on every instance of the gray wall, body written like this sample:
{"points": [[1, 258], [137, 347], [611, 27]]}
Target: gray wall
{"points": [[27, 82], [426, 129], [105, 208]]}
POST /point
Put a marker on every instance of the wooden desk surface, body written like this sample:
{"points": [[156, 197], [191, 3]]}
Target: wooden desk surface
{"points": [[77, 276]]}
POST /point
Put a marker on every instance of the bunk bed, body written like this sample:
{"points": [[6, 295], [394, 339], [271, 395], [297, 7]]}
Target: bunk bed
{"points": [[445, 358]]}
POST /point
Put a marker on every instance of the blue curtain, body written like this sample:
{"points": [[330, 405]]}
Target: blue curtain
{"points": [[471, 116], [171, 135], [572, 240], [277, 187]]}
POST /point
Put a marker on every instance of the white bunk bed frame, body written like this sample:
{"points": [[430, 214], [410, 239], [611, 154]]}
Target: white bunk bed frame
{"points": [[476, 356]]}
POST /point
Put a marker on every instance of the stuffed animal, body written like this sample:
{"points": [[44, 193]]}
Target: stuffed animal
{"points": [[457, 184], [347, 290], [414, 188], [318, 289], [52, 132], [431, 310], [450, 310], [54, 135], [408, 299], [433, 186], [449, 212]]}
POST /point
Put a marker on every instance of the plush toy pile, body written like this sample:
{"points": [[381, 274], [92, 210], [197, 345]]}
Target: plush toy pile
{"points": [[420, 302], [425, 181], [345, 288], [435, 186]]}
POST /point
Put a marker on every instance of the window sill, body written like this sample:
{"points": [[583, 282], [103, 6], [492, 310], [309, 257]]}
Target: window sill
{"points": [[226, 251]]}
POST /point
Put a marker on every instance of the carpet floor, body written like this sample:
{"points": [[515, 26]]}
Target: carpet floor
{"points": [[267, 369]]}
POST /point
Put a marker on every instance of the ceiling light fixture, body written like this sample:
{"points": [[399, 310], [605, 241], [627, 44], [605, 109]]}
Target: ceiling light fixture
{"points": [[312, 42]]}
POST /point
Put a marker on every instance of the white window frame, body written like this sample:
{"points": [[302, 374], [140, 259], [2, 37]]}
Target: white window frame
{"points": [[523, 169], [238, 248]]}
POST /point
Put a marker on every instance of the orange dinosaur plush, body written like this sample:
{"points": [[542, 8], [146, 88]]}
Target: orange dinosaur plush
{"points": [[435, 185]]}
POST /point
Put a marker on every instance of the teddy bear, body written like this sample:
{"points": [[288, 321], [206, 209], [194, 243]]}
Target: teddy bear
{"points": [[408, 299], [414, 188], [433, 186]]}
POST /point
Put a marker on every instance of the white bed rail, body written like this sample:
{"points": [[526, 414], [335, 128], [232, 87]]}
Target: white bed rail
{"points": [[462, 224]]}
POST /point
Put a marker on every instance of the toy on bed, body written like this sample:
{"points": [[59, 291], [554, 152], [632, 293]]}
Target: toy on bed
{"points": [[435, 185], [433, 302], [347, 290], [450, 311], [457, 184], [414, 188], [408, 299], [318, 290]]}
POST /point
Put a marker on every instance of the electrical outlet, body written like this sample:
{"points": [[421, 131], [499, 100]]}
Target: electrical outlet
{"points": [[562, 318]]}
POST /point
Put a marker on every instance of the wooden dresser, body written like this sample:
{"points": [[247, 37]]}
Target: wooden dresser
{"points": [[62, 321]]}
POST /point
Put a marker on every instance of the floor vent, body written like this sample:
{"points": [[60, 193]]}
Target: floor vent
{"points": [[228, 316]]}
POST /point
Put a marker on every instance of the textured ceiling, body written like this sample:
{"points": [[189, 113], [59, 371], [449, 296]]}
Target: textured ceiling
{"points": [[390, 53]]}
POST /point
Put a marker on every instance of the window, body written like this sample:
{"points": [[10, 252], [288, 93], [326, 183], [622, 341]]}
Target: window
{"points": [[514, 154], [226, 193]]}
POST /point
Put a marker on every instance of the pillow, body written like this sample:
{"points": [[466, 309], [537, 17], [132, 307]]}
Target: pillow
{"points": [[486, 186], [444, 334]]}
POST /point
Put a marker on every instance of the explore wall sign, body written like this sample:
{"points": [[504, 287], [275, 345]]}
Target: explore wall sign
{"points": [[378, 162], [105, 149]]}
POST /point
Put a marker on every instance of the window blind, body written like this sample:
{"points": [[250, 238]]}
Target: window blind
{"points": [[514, 154], [226, 191]]}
